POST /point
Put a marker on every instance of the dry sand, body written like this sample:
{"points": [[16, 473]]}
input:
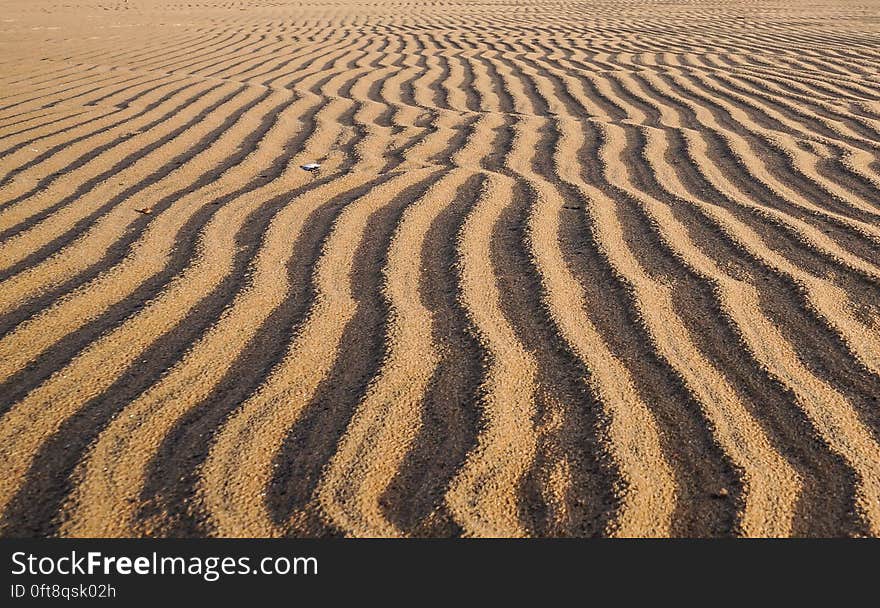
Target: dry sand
{"points": [[572, 268]]}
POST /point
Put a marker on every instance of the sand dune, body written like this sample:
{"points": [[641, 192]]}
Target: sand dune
{"points": [[587, 268]]}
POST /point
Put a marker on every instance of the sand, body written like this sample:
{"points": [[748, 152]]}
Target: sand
{"points": [[589, 268]]}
